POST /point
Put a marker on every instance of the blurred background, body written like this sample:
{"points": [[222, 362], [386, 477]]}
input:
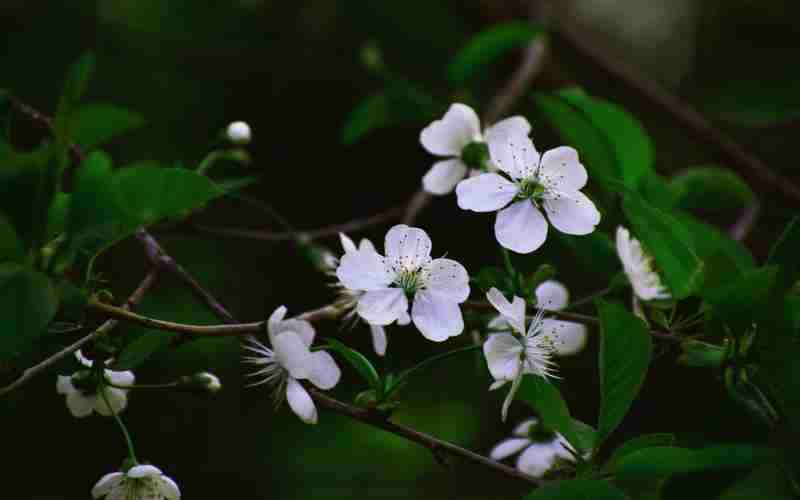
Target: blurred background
{"points": [[293, 71]]}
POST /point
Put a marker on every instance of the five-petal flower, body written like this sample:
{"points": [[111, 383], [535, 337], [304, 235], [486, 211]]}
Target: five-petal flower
{"points": [[452, 137], [290, 360], [511, 356], [85, 394], [551, 181], [538, 456], [140, 482], [436, 286]]}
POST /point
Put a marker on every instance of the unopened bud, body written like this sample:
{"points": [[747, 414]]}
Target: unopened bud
{"points": [[203, 380], [239, 133]]}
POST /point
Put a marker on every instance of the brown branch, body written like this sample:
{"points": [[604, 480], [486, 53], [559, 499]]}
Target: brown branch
{"points": [[529, 68], [437, 446], [731, 151], [109, 325]]}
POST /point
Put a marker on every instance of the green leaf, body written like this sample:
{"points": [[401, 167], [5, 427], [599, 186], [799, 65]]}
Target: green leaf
{"points": [[148, 193], [784, 254], [756, 102], [473, 61], [75, 84], [711, 189], [767, 482], [360, 363], [595, 252], [668, 242], [10, 246], [745, 300], [625, 350], [660, 461], [28, 302], [640, 442], [577, 489], [551, 408], [95, 124], [400, 103]]}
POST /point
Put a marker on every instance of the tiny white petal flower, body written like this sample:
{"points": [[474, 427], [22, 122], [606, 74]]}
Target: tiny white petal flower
{"points": [[459, 128], [85, 396], [290, 360], [141, 482], [538, 456], [550, 182], [239, 133], [639, 268]]}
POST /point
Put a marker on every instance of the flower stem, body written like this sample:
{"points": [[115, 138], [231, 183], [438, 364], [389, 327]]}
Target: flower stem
{"points": [[121, 424], [427, 362]]}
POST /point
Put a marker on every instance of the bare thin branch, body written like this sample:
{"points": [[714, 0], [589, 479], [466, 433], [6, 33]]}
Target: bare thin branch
{"points": [[745, 222]]}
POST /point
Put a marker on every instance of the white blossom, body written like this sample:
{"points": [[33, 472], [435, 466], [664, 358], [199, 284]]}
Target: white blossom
{"points": [[510, 355], [84, 394], [639, 268], [551, 181], [348, 298], [536, 457], [449, 136], [239, 133], [436, 287], [289, 360], [140, 482]]}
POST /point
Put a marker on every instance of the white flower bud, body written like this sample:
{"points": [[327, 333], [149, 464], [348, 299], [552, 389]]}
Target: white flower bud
{"points": [[209, 381], [238, 133]]}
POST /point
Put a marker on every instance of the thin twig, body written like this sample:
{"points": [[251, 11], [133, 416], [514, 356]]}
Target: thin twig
{"points": [[732, 152], [745, 222], [107, 326], [532, 63], [437, 446], [45, 122]]}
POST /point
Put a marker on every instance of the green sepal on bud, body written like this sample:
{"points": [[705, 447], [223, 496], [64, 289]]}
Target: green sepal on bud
{"points": [[475, 155], [703, 354], [202, 381]]}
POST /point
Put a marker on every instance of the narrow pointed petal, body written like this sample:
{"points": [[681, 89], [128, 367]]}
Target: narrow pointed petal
{"points": [[83, 360], [508, 447], [363, 270], [379, 339], [485, 192], [572, 212], [447, 279], [502, 351], [521, 227], [366, 245], [381, 307], [347, 243], [561, 169], [448, 136], [552, 296], [275, 319], [515, 125], [325, 373], [514, 154], [106, 483], [443, 176], [407, 247], [497, 384], [568, 338], [513, 312], [300, 402], [436, 318]]}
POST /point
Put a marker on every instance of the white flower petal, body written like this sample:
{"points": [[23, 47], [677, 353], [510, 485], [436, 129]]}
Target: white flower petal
{"points": [[169, 489], [563, 449], [404, 318], [567, 337], [561, 169], [510, 397], [552, 296], [64, 385], [325, 373], [275, 319], [508, 447], [140, 471], [407, 247], [299, 326], [106, 484], [447, 279], [485, 192], [379, 340], [365, 245], [83, 359], [300, 402], [292, 353], [521, 227], [514, 154], [381, 307], [571, 212], [125, 378], [513, 312], [523, 429], [117, 400], [502, 351], [448, 136], [347, 243], [436, 318], [639, 269], [443, 176], [537, 459], [515, 125], [499, 323], [79, 405], [363, 270]]}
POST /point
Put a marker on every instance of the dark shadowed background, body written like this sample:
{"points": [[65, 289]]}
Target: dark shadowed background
{"points": [[292, 70]]}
